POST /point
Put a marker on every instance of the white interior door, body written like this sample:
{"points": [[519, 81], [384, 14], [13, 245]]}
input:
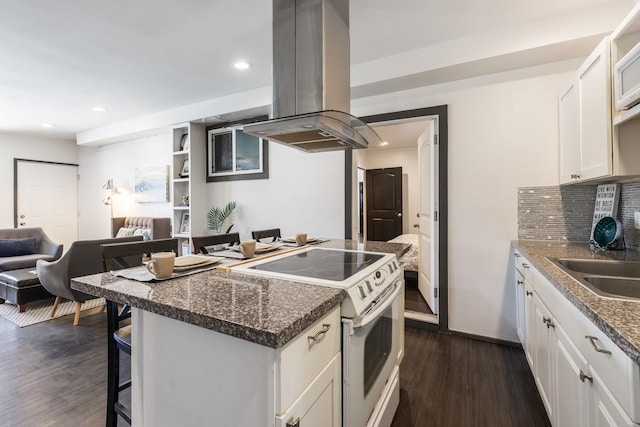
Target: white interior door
{"points": [[47, 197], [428, 260]]}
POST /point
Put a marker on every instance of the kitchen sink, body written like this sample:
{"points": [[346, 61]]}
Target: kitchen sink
{"points": [[607, 278], [616, 287], [601, 267]]}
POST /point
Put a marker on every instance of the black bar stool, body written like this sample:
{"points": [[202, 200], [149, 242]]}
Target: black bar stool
{"points": [[118, 256]]}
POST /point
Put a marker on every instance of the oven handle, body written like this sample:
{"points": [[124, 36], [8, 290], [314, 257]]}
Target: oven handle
{"points": [[360, 322]]}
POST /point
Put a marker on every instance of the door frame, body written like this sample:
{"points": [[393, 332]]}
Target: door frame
{"points": [[439, 112], [15, 182]]}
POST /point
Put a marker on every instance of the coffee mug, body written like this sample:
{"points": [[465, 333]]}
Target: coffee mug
{"points": [[248, 248], [161, 264], [301, 239]]}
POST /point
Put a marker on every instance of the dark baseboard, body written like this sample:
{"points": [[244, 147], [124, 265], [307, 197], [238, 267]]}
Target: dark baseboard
{"points": [[487, 339], [421, 325]]}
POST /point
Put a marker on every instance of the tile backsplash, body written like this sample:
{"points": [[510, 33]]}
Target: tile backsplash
{"points": [[566, 213]]}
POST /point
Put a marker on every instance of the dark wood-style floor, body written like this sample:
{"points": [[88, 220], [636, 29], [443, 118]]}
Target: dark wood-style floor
{"points": [[54, 374], [414, 301], [448, 380]]}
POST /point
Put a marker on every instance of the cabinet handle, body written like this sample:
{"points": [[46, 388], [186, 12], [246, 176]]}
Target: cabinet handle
{"points": [[548, 321], [584, 376], [519, 282], [316, 337], [529, 293], [516, 254], [592, 340], [525, 265], [293, 423]]}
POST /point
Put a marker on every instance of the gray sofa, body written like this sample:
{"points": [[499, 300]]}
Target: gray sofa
{"points": [[17, 253], [20, 249], [83, 258], [148, 227]]}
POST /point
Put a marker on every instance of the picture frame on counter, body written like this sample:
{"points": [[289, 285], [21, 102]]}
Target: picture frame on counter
{"points": [[185, 226]]}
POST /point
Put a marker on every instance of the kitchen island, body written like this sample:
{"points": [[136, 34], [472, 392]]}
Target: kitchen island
{"points": [[225, 348]]}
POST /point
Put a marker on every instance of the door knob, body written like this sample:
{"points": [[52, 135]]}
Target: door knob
{"points": [[22, 223], [399, 214], [22, 216]]}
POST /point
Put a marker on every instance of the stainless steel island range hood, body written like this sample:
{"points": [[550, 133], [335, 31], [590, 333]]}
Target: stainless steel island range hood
{"points": [[311, 79]]}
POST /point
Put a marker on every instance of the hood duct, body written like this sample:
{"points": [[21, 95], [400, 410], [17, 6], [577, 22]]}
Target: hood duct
{"points": [[311, 79]]}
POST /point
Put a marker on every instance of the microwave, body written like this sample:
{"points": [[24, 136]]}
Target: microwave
{"points": [[626, 80]]}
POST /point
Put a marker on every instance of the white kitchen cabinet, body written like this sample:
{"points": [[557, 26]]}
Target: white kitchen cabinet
{"points": [[585, 120], [520, 307], [604, 410], [592, 148], [318, 405], [544, 346], [571, 373], [188, 190], [192, 376], [583, 378]]}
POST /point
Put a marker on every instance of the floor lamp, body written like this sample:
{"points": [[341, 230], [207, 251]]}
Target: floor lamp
{"points": [[113, 190]]}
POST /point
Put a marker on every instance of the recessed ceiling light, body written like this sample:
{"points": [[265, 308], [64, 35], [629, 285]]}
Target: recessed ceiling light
{"points": [[48, 125], [99, 108], [242, 65], [383, 143]]}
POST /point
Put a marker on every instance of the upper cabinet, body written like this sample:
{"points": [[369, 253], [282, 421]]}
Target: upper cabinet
{"points": [[592, 148], [585, 120], [625, 59]]}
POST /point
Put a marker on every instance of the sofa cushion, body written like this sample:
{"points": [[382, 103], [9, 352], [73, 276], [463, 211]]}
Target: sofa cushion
{"points": [[144, 232], [16, 247], [22, 261], [125, 232]]}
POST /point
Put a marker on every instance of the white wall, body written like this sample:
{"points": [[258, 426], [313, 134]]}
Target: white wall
{"points": [[118, 161], [304, 192], [407, 159], [503, 133], [31, 148]]}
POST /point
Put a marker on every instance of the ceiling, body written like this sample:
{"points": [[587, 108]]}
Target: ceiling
{"points": [[60, 59]]}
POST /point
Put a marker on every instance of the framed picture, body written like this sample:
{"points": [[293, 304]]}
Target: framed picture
{"points": [[152, 184], [184, 223], [184, 172]]}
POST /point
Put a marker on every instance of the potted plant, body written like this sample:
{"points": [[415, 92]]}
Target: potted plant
{"points": [[216, 217]]}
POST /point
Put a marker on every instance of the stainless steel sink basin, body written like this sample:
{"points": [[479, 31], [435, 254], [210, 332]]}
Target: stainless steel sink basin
{"points": [[607, 278], [601, 267], [616, 287]]}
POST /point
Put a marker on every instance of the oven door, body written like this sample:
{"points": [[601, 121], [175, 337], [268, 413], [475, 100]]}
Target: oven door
{"points": [[371, 345]]}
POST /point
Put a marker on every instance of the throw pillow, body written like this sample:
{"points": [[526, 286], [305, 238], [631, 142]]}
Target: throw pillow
{"points": [[144, 232], [17, 247], [125, 232]]}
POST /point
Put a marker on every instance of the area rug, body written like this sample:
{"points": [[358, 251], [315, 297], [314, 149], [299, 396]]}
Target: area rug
{"points": [[38, 311]]}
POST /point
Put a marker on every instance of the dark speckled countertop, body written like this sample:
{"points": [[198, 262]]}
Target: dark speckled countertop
{"points": [[265, 311], [618, 319]]}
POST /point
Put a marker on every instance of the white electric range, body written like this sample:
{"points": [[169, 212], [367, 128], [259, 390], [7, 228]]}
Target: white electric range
{"points": [[372, 318]]}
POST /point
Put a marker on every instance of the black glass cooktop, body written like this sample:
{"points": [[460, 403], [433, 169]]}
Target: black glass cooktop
{"points": [[321, 264]]}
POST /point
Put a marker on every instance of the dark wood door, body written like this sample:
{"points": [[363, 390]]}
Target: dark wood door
{"points": [[384, 203]]}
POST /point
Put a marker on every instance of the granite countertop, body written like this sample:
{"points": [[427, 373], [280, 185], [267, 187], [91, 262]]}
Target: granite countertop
{"points": [[262, 310], [618, 319], [398, 249], [265, 311]]}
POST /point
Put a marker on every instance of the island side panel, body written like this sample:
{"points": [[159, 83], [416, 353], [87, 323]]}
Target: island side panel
{"points": [[186, 375]]}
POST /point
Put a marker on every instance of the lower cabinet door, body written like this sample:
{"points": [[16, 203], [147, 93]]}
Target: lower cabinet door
{"points": [[572, 384], [544, 355], [320, 404], [605, 411]]}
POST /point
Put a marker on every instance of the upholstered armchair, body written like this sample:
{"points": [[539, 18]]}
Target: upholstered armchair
{"points": [[83, 257]]}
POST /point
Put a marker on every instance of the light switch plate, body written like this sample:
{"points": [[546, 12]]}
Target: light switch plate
{"points": [[636, 220]]}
